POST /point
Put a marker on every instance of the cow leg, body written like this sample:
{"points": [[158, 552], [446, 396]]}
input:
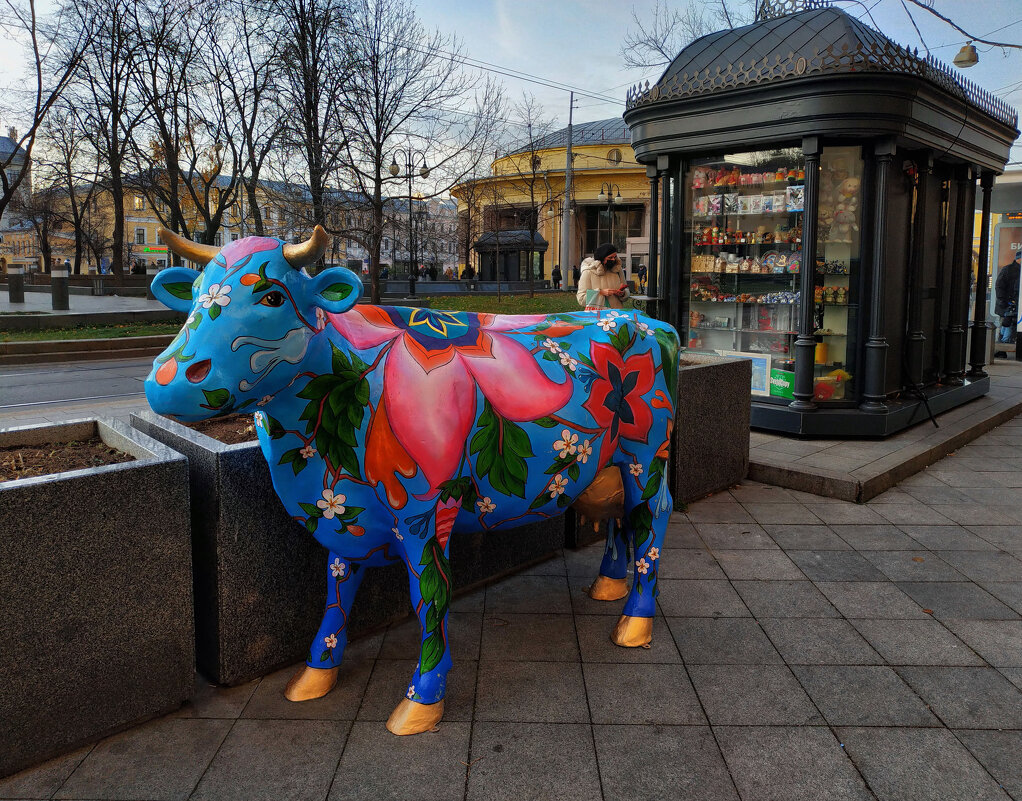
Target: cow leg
{"points": [[430, 585], [647, 523], [318, 675], [612, 583]]}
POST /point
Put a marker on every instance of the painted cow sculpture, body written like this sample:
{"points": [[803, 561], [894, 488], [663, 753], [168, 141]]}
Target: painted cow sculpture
{"points": [[387, 429]]}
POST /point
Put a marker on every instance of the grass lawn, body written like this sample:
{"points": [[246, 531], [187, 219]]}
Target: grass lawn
{"points": [[91, 332], [550, 303]]}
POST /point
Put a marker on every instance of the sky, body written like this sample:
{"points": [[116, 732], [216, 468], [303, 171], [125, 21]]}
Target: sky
{"points": [[577, 43]]}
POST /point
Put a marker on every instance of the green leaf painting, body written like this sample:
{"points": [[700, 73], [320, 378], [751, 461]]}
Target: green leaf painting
{"points": [[502, 448], [182, 290], [337, 291], [435, 588], [335, 410]]}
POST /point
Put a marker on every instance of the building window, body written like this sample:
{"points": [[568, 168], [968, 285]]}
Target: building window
{"points": [[159, 238], [140, 236], [614, 156], [234, 237], [218, 239], [139, 203], [613, 226]]}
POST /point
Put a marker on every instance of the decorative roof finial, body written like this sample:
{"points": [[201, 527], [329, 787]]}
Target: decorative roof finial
{"points": [[771, 9]]}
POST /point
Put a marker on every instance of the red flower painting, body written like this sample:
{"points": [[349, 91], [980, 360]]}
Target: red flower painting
{"points": [[435, 362], [615, 399]]}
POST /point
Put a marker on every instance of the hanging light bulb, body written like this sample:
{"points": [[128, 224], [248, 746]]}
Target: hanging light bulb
{"points": [[394, 169], [967, 56]]}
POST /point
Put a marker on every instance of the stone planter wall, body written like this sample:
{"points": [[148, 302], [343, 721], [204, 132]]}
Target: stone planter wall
{"points": [[95, 582], [710, 449], [260, 578]]}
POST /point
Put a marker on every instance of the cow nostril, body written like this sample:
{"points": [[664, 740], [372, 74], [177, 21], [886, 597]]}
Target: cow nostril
{"points": [[198, 371]]}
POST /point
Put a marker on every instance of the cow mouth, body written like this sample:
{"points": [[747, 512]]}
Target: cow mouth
{"points": [[198, 371]]}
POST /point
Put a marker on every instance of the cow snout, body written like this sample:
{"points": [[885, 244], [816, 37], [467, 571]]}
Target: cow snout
{"points": [[198, 371]]}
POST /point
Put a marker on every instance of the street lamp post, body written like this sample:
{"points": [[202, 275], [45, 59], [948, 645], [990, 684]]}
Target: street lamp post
{"points": [[605, 196], [411, 159]]}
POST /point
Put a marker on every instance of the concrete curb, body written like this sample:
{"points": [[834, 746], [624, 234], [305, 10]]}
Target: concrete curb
{"points": [[76, 350], [866, 483]]}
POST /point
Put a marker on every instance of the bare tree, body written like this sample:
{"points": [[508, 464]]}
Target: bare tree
{"points": [[245, 63], [51, 71], [72, 173], [314, 69], [523, 175], [408, 90], [658, 37], [186, 154], [103, 94]]}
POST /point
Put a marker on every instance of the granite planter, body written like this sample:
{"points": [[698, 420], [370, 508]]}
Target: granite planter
{"points": [[710, 449], [260, 578], [96, 622]]}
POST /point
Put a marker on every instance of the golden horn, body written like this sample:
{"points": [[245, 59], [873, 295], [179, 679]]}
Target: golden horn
{"points": [[310, 251], [187, 249]]}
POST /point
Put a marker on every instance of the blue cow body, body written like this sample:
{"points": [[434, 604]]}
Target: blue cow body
{"points": [[386, 428]]}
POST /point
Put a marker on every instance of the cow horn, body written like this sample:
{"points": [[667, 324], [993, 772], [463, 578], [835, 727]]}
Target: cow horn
{"points": [[186, 248], [310, 251]]}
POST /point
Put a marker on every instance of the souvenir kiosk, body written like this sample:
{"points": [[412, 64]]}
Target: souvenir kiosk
{"points": [[818, 184]]}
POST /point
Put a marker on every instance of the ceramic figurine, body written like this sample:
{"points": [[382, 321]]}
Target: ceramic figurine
{"points": [[387, 430]]}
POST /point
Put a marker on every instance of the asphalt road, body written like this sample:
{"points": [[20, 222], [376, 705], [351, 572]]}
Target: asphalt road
{"points": [[26, 386]]}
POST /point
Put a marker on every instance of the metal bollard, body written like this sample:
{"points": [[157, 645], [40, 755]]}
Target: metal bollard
{"points": [[411, 285], [16, 284], [59, 295], [150, 273]]}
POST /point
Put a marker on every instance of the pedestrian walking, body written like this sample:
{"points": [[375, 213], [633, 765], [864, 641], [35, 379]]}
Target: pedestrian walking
{"points": [[555, 276], [575, 275], [1006, 305], [602, 284], [640, 276]]}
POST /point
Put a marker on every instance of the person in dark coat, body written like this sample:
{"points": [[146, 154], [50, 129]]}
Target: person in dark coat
{"points": [[555, 276], [576, 274], [1006, 305]]}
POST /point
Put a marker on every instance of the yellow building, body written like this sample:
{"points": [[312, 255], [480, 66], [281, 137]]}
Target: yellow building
{"points": [[525, 191]]}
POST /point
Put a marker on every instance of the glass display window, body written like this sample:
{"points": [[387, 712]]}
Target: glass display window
{"points": [[836, 280], [744, 249]]}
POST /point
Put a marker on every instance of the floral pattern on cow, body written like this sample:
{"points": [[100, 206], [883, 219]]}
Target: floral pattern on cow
{"points": [[388, 430]]}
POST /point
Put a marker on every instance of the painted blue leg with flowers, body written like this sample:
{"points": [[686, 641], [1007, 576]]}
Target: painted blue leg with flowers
{"points": [[650, 506], [430, 587], [319, 674], [612, 583], [342, 581]]}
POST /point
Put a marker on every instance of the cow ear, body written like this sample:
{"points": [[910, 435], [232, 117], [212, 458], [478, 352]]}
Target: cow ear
{"points": [[335, 290], [173, 288]]}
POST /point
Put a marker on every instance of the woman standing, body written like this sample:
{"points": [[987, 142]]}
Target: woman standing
{"points": [[602, 284]]}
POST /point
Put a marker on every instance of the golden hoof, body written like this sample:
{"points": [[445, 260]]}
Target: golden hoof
{"points": [[310, 682], [633, 632], [608, 589], [409, 717]]}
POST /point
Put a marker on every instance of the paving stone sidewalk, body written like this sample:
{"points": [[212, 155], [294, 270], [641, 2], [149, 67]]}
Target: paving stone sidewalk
{"points": [[805, 648]]}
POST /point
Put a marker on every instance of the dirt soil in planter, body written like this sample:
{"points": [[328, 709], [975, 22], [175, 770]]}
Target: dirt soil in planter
{"points": [[230, 430], [17, 461]]}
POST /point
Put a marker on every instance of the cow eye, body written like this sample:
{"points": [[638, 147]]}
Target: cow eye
{"points": [[273, 299]]}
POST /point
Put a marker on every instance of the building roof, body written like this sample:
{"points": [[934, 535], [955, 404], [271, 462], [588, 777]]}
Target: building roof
{"points": [[612, 131], [509, 240], [9, 146], [799, 45]]}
